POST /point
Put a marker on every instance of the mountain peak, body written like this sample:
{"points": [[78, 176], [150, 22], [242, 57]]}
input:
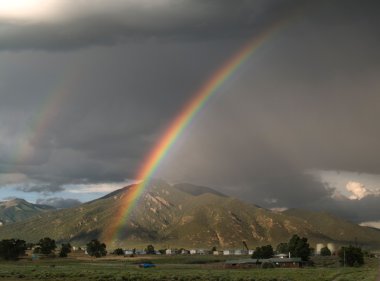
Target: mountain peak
{"points": [[184, 215], [13, 202], [196, 190]]}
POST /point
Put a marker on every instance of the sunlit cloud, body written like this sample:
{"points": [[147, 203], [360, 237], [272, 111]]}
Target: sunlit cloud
{"points": [[357, 189], [375, 224], [96, 188], [29, 9]]}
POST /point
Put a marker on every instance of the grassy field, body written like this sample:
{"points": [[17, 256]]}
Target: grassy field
{"points": [[174, 268]]}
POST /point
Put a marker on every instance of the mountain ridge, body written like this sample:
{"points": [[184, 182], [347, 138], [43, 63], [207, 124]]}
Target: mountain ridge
{"points": [[17, 209], [167, 216]]}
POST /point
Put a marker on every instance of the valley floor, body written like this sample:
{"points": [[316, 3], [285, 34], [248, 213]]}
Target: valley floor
{"points": [[173, 268]]}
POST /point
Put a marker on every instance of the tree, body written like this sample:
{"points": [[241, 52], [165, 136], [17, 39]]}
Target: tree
{"points": [[298, 247], [162, 251], [96, 249], [46, 246], [11, 249], [282, 248], [150, 250], [65, 249], [213, 249], [118, 252], [264, 252], [351, 256], [325, 252]]}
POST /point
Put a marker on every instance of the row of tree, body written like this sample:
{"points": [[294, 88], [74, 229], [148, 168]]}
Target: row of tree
{"points": [[296, 247], [12, 249], [300, 248]]}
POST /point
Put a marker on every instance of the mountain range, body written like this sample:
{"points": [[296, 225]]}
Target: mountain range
{"points": [[19, 209], [185, 215]]}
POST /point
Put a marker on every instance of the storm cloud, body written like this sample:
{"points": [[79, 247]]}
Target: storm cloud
{"points": [[61, 25], [59, 203], [87, 90]]}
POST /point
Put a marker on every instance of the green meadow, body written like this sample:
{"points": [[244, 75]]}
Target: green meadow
{"points": [[175, 268]]}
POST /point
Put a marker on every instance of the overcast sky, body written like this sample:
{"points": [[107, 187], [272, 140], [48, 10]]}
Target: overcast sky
{"points": [[88, 87]]}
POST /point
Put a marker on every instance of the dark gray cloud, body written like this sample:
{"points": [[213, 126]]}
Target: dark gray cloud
{"points": [[366, 209], [307, 99], [40, 188], [59, 203], [94, 24]]}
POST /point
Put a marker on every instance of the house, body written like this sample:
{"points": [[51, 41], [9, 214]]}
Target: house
{"points": [[140, 252], [227, 252], [128, 252], [281, 256], [239, 252], [286, 262], [217, 253], [202, 252], [185, 252], [193, 252], [169, 252], [258, 263]]}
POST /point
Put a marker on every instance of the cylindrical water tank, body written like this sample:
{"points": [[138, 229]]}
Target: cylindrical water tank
{"points": [[331, 247], [318, 248]]}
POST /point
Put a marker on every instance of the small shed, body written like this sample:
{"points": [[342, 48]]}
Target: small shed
{"points": [[128, 252]]}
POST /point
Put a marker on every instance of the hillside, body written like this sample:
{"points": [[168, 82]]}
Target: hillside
{"points": [[171, 216], [16, 210], [337, 229]]}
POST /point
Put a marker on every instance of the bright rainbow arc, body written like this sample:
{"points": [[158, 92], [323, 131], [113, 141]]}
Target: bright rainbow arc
{"points": [[182, 121]]}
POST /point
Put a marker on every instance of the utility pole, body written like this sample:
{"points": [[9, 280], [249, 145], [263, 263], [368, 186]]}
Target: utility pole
{"points": [[344, 257]]}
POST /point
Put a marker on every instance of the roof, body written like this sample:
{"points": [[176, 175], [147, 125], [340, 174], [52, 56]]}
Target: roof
{"points": [[273, 260], [282, 260]]}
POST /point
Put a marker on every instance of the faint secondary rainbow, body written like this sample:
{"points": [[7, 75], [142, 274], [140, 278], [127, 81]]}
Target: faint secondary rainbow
{"points": [[44, 117], [182, 121]]}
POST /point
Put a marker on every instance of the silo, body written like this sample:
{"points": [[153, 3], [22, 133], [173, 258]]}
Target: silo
{"points": [[318, 248], [331, 247]]}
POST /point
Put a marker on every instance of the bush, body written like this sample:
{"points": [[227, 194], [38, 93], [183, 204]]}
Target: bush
{"points": [[298, 247], [150, 250], [118, 252], [46, 246], [11, 249], [325, 252], [65, 249], [96, 249], [264, 252], [351, 256]]}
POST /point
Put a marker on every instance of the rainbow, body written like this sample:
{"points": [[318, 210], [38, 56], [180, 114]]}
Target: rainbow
{"points": [[182, 121], [42, 118]]}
